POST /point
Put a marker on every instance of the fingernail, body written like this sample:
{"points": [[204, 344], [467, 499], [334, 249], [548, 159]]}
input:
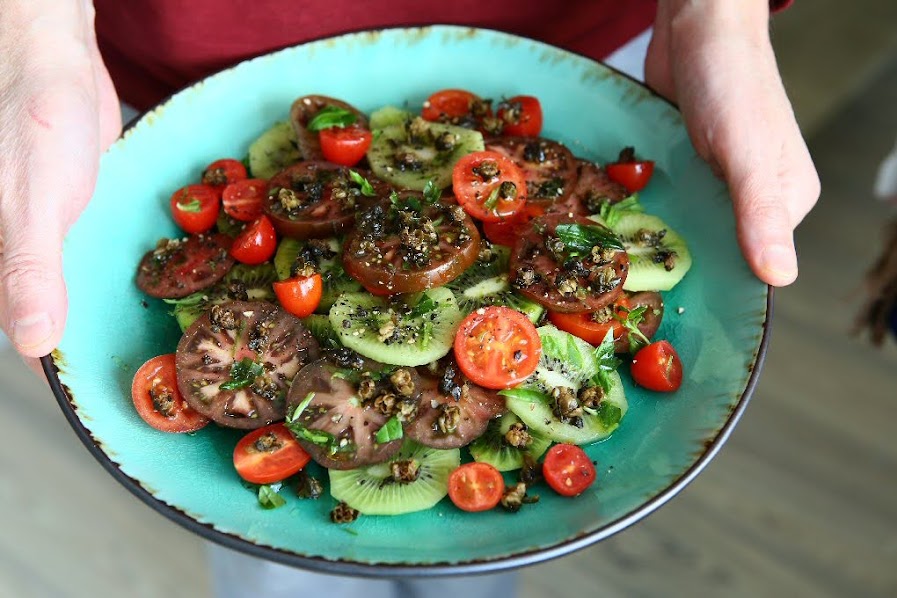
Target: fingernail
{"points": [[32, 330], [779, 263]]}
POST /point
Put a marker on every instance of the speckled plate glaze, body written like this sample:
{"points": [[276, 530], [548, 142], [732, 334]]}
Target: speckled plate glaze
{"points": [[664, 441]]}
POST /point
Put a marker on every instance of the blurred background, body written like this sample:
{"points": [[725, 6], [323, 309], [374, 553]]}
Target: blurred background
{"points": [[802, 501]]}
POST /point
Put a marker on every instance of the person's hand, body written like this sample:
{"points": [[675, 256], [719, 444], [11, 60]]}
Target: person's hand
{"points": [[715, 60], [58, 113]]}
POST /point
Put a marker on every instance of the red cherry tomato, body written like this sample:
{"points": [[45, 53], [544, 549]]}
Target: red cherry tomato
{"points": [[489, 186], [628, 171], [521, 116], [568, 470], [222, 173], [195, 208], [657, 367], [497, 347], [270, 454], [157, 398], [506, 232], [300, 295], [586, 328], [256, 243], [345, 146], [243, 200], [450, 104], [476, 487]]}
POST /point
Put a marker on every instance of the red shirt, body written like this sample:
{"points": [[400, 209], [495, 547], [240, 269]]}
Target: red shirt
{"points": [[155, 47]]}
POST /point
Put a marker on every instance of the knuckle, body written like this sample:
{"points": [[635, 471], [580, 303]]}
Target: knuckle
{"points": [[23, 270]]}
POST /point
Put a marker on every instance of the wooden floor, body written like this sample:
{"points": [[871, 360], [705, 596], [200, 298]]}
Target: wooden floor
{"points": [[801, 502]]}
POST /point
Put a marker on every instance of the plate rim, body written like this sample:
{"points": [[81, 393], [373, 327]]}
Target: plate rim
{"points": [[404, 570]]}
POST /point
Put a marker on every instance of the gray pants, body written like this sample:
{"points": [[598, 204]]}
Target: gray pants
{"points": [[236, 575]]}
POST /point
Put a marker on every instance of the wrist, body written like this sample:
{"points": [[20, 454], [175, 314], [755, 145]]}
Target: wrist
{"points": [[748, 20], [56, 32]]}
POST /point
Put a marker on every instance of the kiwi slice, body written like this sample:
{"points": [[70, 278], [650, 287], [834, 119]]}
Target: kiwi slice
{"points": [[374, 490], [273, 151], [658, 255], [333, 275], [255, 281], [493, 448], [320, 328], [389, 116], [409, 155], [409, 330], [486, 283]]}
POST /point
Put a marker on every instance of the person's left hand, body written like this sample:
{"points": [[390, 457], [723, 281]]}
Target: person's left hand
{"points": [[716, 61]]}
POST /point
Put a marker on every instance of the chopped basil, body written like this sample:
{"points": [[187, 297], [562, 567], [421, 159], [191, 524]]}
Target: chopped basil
{"points": [[525, 394], [574, 357], [581, 238], [269, 497], [242, 374], [612, 212], [606, 360], [432, 193], [492, 201], [331, 116], [248, 166], [194, 206], [366, 188], [426, 334], [391, 430], [301, 407], [609, 415], [409, 203], [423, 306], [630, 322]]}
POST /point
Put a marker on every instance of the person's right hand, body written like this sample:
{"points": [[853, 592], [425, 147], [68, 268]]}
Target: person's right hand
{"points": [[58, 113]]}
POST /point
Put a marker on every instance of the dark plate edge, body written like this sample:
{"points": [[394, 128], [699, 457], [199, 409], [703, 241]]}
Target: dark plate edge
{"points": [[380, 570]]}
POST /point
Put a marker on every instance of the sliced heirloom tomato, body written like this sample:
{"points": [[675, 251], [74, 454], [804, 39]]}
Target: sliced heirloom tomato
{"points": [[548, 167], [345, 146], [221, 173], [315, 200], [180, 267], [157, 398], [410, 246], [235, 363], [305, 109], [657, 367], [521, 116], [592, 327], [489, 186], [270, 454], [593, 189], [243, 200], [475, 487], [256, 243], [195, 208], [456, 107], [628, 171], [568, 469], [497, 347], [506, 232], [300, 295]]}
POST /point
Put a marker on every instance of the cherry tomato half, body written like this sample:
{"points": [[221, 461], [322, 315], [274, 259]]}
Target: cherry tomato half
{"points": [[476, 487], [506, 232], [568, 470], [657, 367], [157, 398], [345, 146], [256, 243], [195, 208], [243, 200], [521, 116], [497, 347], [222, 173], [269, 455], [453, 103], [489, 186], [300, 295], [628, 171]]}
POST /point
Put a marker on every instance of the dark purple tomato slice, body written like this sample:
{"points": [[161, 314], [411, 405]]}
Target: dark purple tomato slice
{"points": [[236, 362], [304, 109], [349, 407], [398, 248], [653, 316], [453, 411], [543, 269], [593, 188], [317, 199], [548, 167], [180, 267]]}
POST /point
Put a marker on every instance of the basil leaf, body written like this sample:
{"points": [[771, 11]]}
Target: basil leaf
{"points": [[242, 374], [331, 116], [432, 193], [630, 322], [391, 430], [612, 212], [551, 346], [423, 306], [525, 394], [574, 357], [269, 497], [606, 361], [609, 415], [193, 206], [366, 188], [581, 238], [409, 203]]}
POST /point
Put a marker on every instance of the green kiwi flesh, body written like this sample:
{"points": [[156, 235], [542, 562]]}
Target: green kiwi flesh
{"points": [[492, 448], [657, 264], [273, 151]]}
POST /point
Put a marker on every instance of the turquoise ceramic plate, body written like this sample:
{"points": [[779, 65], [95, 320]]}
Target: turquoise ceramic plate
{"points": [[717, 317]]}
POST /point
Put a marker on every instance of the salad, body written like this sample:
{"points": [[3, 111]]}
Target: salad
{"points": [[395, 295]]}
